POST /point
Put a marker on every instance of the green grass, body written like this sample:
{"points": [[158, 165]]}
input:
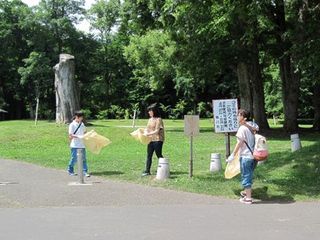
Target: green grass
{"points": [[286, 176]]}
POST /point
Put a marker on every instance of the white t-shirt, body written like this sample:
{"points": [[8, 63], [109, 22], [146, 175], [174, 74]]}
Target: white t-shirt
{"points": [[77, 142], [245, 134]]}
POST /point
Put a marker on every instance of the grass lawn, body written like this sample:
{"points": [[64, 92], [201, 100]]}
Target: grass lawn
{"points": [[285, 176]]}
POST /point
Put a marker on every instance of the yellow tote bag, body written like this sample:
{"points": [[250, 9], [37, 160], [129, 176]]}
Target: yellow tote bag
{"points": [[233, 168], [95, 142], [139, 136]]}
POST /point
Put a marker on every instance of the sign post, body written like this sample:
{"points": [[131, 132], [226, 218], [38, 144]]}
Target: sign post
{"points": [[191, 129], [225, 119]]}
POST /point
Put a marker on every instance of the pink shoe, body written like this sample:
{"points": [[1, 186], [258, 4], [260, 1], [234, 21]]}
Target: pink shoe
{"points": [[245, 200]]}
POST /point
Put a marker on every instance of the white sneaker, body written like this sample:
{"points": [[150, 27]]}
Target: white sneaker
{"points": [[245, 200], [87, 174]]}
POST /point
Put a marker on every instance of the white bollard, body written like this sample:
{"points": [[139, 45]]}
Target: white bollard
{"points": [[163, 171], [215, 164], [295, 142]]}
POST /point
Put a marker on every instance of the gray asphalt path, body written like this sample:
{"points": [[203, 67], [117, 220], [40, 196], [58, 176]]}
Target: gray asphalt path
{"points": [[39, 204]]}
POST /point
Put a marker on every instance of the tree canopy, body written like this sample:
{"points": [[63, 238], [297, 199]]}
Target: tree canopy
{"points": [[181, 54]]}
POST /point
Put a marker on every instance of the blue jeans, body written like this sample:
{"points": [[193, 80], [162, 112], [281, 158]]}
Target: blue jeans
{"points": [[246, 167], [73, 160]]}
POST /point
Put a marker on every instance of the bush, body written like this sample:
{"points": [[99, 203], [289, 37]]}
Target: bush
{"points": [[114, 112], [87, 113], [179, 110]]}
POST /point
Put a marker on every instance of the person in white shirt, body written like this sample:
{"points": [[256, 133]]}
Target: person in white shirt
{"points": [[245, 146], [76, 129]]}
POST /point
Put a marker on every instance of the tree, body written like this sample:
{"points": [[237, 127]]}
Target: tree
{"points": [[36, 75], [150, 56], [59, 16]]}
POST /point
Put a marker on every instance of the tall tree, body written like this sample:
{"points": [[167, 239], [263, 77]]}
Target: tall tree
{"points": [[36, 74], [59, 17]]}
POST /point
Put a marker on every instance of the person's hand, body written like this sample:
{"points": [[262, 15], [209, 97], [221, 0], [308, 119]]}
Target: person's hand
{"points": [[230, 158]]}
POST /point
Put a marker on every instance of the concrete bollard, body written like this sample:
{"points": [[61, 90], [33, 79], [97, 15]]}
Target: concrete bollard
{"points": [[80, 165], [295, 142], [215, 164], [163, 171]]}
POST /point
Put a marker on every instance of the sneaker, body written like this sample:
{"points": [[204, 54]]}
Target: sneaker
{"points": [[243, 194], [72, 174], [145, 174], [245, 200], [87, 174]]}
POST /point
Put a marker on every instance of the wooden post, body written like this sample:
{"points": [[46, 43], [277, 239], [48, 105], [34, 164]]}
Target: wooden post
{"points": [[227, 141], [191, 157]]}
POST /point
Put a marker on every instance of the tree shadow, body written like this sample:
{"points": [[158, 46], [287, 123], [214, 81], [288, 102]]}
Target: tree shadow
{"points": [[107, 173], [300, 177]]}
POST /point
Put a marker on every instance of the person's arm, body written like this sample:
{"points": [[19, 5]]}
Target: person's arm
{"points": [[71, 130], [157, 130], [237, 147], [239, 144]]}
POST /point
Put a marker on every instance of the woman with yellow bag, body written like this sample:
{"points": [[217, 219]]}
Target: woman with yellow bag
{"points": [[154, 130], [245, 140]]}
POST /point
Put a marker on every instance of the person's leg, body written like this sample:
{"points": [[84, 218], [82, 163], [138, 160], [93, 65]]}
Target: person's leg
{"points": [[247, 166], [150, 151], [158, 149], [73, 160]]}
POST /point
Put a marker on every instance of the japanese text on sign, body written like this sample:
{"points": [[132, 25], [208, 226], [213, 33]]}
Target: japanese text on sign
{"points": [[225, 115]]}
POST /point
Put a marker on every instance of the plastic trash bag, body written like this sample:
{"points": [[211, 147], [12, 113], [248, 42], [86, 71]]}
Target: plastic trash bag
{"points": [[94, 142], [139, 136], [233, 168]]}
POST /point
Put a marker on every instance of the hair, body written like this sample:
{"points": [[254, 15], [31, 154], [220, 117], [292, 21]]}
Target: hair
{"points": [[154, 108], [245, 113], [78, 114]]}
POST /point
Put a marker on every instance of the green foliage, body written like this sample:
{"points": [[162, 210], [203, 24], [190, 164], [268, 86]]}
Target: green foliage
{"points": [[151, 55], [179, 110], [114, 112], [273, 99], [181, 54]]}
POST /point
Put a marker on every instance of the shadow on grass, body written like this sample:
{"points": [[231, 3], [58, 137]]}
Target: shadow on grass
{"points": [[177, 174], [293, 174], [107, 173], [261, 194], [181, 130]]}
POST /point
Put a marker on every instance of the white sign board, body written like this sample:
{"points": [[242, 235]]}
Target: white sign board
{"points": [[225, 115], [191, 125]]}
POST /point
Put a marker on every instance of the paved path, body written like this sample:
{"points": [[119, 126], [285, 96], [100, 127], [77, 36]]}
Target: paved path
{"points": [[40, 205]]}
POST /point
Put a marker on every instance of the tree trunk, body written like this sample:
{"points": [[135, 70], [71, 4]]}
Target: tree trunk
{"points": [[259, 112], [316, 104], [67, 97], [290, 79], [290, 94], [244, 86]]}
